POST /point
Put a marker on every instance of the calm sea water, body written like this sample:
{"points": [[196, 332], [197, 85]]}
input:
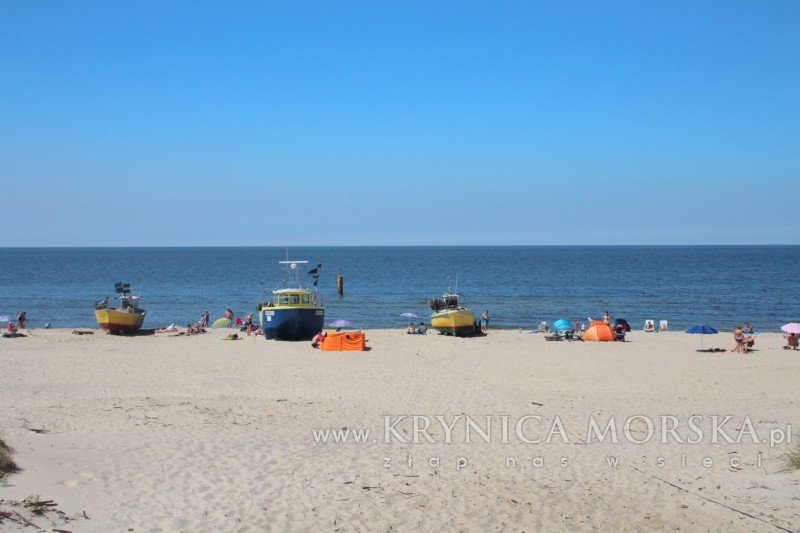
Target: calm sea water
{"points": [[521, 286]]}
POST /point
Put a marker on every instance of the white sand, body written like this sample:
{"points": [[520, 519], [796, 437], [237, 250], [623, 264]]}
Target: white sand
{"points": [[161, 433]]}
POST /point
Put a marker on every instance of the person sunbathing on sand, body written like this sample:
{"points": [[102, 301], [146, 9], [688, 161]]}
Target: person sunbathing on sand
{"points": [[11, 332]]}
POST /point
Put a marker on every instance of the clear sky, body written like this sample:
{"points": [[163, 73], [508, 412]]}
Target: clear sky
{"points": [[300, 123]]}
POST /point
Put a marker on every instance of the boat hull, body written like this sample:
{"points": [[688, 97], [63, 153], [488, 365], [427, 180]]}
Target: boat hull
{"points": [[291, 324], [453, 321], [115, 321]]}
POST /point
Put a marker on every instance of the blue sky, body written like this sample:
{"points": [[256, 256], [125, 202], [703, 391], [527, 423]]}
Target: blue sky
{"points": [[301, 123]]}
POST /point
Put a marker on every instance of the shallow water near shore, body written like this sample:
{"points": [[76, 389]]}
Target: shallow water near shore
{"points": [[718, 285]]}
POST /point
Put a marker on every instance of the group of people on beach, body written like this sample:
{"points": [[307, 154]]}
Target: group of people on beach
{"points": [[14, 331], [743, 335], [744, 339], [413, 329]]}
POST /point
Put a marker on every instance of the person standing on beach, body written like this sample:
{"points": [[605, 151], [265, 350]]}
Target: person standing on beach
{"points": [[205, 319], [606, 319], [738, 336], [485, 318], [248, 322], [21, 320]]}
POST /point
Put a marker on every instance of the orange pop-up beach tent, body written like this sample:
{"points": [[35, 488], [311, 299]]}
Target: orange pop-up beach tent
{"points": [[345, 341], [599, 333]]}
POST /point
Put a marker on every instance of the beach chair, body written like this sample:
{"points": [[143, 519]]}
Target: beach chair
{"points": [[663, 325], [791, 342], [648, 326]]}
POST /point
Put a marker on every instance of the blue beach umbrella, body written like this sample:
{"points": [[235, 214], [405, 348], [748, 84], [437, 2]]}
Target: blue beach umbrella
{"points": [[562, 324], [341, 324], [701, 330]]}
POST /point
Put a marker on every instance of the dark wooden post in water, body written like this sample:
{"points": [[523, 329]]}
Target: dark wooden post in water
{"points": [[340, 283]]}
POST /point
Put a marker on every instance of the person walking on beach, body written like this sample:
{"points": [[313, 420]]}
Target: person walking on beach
{"points": [[485, 318], [21, 320], [205, 319]]}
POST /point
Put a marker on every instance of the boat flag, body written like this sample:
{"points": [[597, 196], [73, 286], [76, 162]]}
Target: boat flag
{"points": [[118, 286], [315, 270]]}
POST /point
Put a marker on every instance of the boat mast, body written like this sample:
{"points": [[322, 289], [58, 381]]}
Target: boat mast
{"points": [[292, 266]]}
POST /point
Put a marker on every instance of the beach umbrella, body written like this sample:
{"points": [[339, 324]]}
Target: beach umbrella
{"points": [[221, 323], [341, 324], [409, 316], [562, 324], [791, 327], [701, 330]]}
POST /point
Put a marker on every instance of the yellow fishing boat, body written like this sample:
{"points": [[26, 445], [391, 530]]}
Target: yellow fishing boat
{"points": [[448, 317], [126, 318]]}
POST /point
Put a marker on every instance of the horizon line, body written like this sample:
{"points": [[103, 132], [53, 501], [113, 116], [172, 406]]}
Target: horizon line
{"points": [[199, 246]]}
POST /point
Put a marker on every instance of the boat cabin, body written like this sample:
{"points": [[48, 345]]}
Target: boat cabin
{"points": [[448, 301], [129, 303], [294, 298]]}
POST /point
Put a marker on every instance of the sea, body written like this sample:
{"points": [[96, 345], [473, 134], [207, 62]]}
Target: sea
{"points": [[521, 286]]}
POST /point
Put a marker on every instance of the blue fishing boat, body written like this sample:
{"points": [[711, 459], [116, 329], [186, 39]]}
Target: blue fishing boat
{"points": [[296, 311]]}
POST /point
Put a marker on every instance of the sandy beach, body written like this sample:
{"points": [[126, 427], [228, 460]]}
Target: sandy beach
{"points": [[160, 433]]}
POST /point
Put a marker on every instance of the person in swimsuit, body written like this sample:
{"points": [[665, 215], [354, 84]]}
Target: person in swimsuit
{"points": [[738, 336], [318, 339], [485, 318]]}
